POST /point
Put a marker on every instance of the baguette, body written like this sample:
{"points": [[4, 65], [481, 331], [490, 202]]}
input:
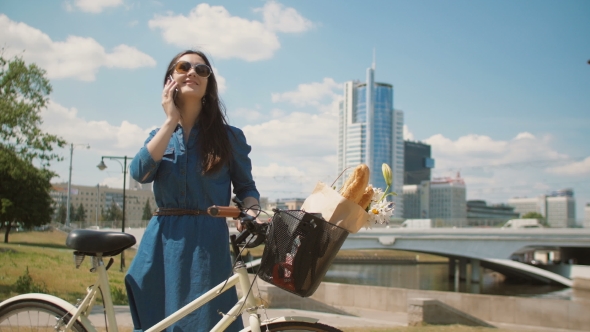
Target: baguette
{"points": [[356, 183], [366, 198]]}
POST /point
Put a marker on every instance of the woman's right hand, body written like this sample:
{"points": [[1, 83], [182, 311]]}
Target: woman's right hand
{"points": [[170, 108]]}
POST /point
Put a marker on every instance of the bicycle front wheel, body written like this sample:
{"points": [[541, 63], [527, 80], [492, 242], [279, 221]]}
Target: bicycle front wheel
{"points": [[36, 315], [298, 326]]}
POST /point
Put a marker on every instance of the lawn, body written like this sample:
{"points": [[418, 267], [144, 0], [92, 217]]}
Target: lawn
{"points": [[51, 266]]}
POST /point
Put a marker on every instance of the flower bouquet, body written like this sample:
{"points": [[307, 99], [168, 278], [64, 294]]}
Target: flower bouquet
{"points": [[380, 209]]}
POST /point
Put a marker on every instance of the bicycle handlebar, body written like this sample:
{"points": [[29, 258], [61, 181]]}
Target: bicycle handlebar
{"points": [[224, 211]]}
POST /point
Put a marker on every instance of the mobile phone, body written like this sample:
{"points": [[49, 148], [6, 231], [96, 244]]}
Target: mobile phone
{"points": [[175, 89]]}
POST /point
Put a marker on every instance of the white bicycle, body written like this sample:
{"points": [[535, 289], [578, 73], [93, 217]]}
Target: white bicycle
{"points": [[289, 268]]}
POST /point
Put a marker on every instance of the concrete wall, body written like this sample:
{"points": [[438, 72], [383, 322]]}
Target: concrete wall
{"points": [[332, 297]]}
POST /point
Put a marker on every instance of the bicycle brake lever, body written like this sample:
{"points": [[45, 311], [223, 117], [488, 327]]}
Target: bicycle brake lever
{"points": [[238, 202]]}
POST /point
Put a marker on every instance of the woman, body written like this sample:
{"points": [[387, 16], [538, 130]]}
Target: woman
{"points": [[193, 159]]}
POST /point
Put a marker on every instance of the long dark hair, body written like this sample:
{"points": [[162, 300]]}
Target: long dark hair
{"points": [[214, 146]]}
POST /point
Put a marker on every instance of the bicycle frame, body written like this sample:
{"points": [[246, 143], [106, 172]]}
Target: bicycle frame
{"points": [[246, 303]]}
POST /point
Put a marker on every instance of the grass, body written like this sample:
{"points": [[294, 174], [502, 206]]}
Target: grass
{"points": [[50, 264]]}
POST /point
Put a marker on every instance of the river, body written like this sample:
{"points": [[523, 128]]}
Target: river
{"points": [[435, 277]]}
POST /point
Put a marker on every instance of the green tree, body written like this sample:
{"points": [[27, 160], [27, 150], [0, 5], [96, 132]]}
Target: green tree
{"points": [[61, 213], [114, 213], [147, 210], [24, 189], [24, 93], [536, 215], [73, 216], [80, 213], [24, 192]]}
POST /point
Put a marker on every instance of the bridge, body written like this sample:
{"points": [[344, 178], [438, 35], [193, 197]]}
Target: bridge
{"points": [[501, 250], [491, 248]]}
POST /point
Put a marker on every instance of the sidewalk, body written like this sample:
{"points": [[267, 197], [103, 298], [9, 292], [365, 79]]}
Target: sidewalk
{"points": [[367, 318]]}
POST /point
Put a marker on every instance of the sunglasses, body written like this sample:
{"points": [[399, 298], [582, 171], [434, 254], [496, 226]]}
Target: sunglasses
{"points": [[183, 67]]}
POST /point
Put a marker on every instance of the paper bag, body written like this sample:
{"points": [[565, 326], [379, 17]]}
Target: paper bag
{"points": [[335, 208]]}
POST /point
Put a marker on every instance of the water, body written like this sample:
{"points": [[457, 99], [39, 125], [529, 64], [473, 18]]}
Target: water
{"points": [[435, 277]]}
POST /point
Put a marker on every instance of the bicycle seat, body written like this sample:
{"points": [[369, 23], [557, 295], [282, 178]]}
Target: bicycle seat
{"points": [[92, 243]]}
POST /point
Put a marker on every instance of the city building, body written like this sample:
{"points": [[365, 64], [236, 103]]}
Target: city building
{"points": [[479, 213], [96, 200], [448, 201], [558, 207], [371, 132], [416, 200], [417, 162], [523, 205], [561, 211], [285, 204], [442, 199]]}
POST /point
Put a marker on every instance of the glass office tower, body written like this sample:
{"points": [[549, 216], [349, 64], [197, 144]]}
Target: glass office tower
{"points": [[371, 132]]}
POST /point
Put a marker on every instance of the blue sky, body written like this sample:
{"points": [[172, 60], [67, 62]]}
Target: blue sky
{"points": [[500, 89]]}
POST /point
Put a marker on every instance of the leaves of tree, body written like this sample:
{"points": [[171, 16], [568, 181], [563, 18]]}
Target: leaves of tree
{"points": [[24, 93]]}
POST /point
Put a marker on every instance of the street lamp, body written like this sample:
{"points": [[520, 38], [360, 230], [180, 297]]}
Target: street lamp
{"points": [[70, 181], [102, 167]]}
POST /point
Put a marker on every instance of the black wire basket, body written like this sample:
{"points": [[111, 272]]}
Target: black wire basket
{"points": [[299, 250]]}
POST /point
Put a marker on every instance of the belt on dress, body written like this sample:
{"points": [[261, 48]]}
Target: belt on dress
{"points": [[178, 212]]}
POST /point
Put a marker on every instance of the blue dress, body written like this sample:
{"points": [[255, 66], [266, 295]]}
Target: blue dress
{"points": [[182, 257]]}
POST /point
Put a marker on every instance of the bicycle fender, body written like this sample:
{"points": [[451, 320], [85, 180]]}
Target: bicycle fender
{"points": [[51, 299], [285, 319]]}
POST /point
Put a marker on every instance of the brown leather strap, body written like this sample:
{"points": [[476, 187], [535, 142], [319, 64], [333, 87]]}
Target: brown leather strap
{"points": [[178, 212]]}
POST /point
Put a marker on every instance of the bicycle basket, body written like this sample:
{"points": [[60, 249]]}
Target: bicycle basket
{"points": [[299, 250]]}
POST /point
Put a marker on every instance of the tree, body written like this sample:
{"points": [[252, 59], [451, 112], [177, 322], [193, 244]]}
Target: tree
{"points": [[147, 210], [114, 213], [80, 213], [24, 92], [24, 192], [61, 213], [24, 189], [73, 216], [536, 215]]}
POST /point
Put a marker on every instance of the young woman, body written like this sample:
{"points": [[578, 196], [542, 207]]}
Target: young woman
{"points": [[193, 159]]}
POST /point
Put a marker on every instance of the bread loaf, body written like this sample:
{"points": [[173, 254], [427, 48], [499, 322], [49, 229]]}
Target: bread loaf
{"points": [[366, 198], [356, 183]]}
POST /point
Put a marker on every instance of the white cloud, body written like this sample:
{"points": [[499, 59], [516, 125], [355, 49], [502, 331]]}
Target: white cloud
{"points": [[278, 18], [310, 94], [292, 153], [76, 57], [214, 30], [101, 135], [221, 82], [574, 168], [93, 6], [246, 114], [408, 134], [496, 170]]}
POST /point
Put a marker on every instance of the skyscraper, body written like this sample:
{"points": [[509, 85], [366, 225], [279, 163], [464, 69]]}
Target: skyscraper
{"points": [[417, 162], [371, 132]]}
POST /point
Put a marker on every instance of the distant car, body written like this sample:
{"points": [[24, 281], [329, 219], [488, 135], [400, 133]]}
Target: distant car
{"points": [[94, 227], [523, 223]]}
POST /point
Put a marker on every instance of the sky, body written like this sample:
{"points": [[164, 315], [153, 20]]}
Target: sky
{"points": [[499, 89]]}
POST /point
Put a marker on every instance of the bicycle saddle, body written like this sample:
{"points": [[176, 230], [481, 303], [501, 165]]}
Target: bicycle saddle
{"points": [[94, 243]]}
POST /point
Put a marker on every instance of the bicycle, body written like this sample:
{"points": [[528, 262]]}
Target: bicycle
{"points": [[43, 312]]}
